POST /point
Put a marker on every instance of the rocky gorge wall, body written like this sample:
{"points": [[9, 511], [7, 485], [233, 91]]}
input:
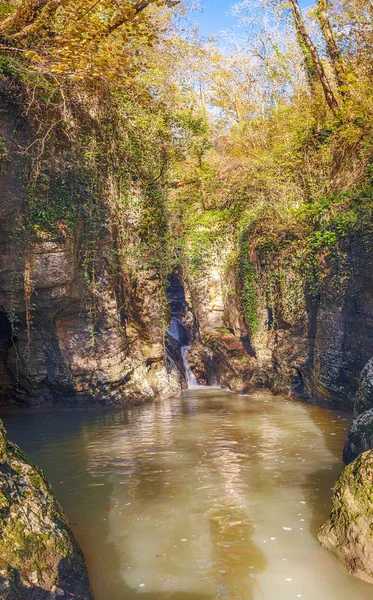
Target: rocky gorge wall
{"points": [[53, 349], [66, 338], [316, 352]]}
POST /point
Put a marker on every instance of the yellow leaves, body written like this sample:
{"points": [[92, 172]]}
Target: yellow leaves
{"points": [[32, 55], [59, 69], [111, 40]]}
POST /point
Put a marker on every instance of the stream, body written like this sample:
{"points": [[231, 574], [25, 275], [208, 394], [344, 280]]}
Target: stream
{"points": [[209, 496]]}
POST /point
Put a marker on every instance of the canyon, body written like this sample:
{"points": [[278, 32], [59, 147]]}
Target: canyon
{"points": [[186, 258], [147, 338]]}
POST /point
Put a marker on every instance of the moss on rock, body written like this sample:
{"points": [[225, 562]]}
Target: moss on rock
{"points": [[39, 557], [348, 531]]}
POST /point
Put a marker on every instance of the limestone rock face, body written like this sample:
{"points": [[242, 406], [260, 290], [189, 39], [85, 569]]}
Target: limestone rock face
{"points": [[313, 347], [348, 531], [39, 557], [221, 353], [343, 333], [64, 340], [318, 350]]}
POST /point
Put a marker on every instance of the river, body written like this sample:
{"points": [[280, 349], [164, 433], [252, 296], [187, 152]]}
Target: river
{"points": [[209, 496]]}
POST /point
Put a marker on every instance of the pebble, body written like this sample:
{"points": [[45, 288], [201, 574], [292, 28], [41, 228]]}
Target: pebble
{"points": [[286, 528]]}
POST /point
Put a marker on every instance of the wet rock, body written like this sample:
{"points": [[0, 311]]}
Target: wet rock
{"points": [[201, 362], [39, 556], [360, 437], [364, 396], [348, 531], [222, 359]]}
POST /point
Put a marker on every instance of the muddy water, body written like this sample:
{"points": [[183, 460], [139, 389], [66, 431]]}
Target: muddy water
{"points": [[213, 496]]}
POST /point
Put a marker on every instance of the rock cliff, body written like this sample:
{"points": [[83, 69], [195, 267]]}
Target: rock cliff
{"points": [[312, 346], [360, 436], [80, 322]]}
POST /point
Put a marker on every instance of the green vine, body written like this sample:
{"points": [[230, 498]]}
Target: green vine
{"points": [[248, 278]]}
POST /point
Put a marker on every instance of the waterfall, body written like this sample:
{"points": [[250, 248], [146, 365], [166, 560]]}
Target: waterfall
{"points": [[189, 375], [177, 332], [175, 329]]}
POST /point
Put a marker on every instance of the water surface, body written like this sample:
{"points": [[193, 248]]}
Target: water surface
{"points": [[212, 496]]}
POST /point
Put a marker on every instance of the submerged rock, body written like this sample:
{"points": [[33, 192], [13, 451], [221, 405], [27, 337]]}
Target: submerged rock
{"points": [[39, 557], [348, 531]]}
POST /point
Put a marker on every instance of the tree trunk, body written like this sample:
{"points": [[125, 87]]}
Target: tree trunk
{"points": [[136, 9], [127, 16], [310, 48], [331, 46]]}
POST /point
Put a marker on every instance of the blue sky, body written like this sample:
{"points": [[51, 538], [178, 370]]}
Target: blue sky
{"points": [[214, 17]]}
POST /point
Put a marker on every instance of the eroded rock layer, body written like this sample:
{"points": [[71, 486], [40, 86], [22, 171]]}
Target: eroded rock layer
{"points": [[311, 345], [81, 323]]}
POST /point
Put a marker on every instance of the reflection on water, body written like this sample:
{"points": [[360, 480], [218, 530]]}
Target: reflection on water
{"points": [[213, 496]]}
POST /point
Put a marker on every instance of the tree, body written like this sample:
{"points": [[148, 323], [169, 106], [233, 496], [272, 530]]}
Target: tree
{"points": [[29, 14], [310, 53], [331, 45]]}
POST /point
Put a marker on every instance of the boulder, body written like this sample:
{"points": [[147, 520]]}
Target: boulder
{"points": [[348, 531], [39, 556]]}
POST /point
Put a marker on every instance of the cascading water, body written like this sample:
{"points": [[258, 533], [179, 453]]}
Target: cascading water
{"points": [[177, 332], [189, 375], [175, 329]]}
